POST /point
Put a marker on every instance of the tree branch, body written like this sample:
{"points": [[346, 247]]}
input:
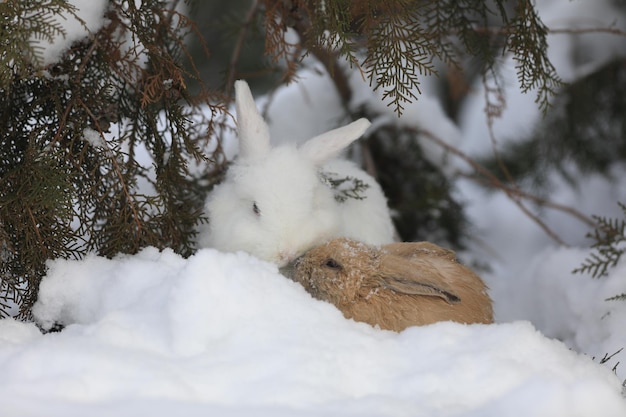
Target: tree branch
{"points": [[234, 59], [327, 58], [514, 193]]}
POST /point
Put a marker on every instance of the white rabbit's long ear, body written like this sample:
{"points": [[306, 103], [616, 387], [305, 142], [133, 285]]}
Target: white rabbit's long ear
{"points": [[328, 145], [254, 134]]}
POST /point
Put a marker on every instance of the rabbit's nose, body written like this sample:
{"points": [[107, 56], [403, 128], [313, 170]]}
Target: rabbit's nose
{"points": [[286, 256]]}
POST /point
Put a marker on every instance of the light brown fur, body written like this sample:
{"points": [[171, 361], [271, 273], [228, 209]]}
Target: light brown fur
{"points": [[394, 286]]}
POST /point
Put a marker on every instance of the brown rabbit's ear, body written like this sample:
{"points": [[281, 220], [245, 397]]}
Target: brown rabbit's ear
{"points": [[404, 286], [414, 278], [411, 249]]}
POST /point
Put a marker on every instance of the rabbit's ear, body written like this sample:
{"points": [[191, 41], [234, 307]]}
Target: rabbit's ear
{"points": [[328, 145], [254, 134], [416, 249], [414, 278], [428, 289]]}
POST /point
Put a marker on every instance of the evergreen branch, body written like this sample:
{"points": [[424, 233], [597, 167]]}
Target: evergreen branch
{"points": [[278, 17], [116, 166], [529, 46], [67, 188], [399, 51], [609, 238], [344, 188], [22, 24]]}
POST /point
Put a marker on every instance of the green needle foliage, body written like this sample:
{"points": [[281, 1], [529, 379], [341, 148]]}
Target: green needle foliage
{"points": [[608, 247], [96, 147], [394, 42], [529, 30], [609, 239]]}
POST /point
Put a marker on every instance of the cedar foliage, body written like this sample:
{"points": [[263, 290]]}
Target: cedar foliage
{"points": [[608, 247], [394, 42], [72, 139]]}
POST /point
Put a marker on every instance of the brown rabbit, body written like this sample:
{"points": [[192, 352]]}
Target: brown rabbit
{"points": [[394, 286]]}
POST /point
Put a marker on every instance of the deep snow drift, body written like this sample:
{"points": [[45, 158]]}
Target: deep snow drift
{"points": [[226, 333]]}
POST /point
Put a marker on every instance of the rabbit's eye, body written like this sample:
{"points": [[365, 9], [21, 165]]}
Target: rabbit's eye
{"points": [[256, 209], [332, 264]]}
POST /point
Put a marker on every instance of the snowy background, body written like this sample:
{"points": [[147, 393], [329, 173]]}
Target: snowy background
{"points": [[226, 334]]}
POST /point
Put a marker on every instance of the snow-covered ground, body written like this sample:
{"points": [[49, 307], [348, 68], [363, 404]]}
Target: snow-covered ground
{"points": [[226, 334]]}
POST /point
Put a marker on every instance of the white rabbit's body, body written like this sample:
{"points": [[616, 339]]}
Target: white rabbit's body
{"points": [[367, 220], [276, 203]]}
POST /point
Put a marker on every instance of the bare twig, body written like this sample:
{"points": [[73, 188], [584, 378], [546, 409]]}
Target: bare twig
{"points": [[551, 204], [40, 241], [327, 58], [118, 170], [612, 31], [505, 31], [234, 59], [514, 193]]}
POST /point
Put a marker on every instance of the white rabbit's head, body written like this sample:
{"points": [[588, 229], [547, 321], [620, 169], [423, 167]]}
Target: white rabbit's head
{"points": [[273, 203]]}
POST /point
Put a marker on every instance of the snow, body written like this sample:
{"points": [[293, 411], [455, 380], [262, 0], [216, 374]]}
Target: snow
{"points": [[93, 138], [88, 18], [225, 334], [315, 99]]}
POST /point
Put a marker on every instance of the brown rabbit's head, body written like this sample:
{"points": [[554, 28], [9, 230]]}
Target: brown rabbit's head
{"points": [[343, 270]]}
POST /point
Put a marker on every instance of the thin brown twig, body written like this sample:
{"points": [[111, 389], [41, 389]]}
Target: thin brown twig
{"points": [[504, 31], [577, 31], [234, 59], [547, 203], [513, 193], [39, 238], [327, 58], [118, 170]]}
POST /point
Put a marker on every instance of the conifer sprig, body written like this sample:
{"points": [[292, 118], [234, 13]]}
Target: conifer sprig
{"points": [[24, 24], [609, 245], [399, 52], [527, 41], [395, 42]]}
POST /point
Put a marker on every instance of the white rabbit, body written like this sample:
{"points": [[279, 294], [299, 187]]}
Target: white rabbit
{"points": [[276, 203]]}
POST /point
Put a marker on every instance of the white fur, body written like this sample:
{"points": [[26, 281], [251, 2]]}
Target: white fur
{"points": [[273, 203]]}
